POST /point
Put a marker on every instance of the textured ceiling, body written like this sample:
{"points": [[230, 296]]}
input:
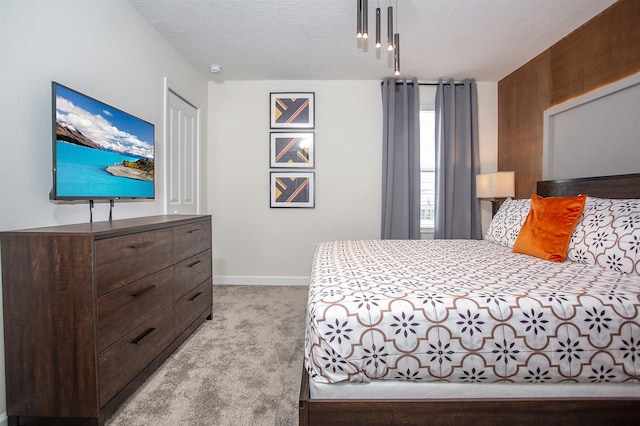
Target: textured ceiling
{"points": [[315, 39]]}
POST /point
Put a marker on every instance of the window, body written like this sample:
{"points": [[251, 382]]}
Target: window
{"points": [[427, 170]]}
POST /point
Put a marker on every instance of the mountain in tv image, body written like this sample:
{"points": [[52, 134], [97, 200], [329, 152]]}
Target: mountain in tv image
{"points": [[100, 150], [66, 132]]}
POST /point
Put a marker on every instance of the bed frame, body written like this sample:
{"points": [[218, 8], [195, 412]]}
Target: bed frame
{"points": [[533, 411]]}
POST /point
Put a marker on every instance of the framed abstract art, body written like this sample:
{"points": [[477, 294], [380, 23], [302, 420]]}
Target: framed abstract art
{"points": [[292, 150], [293, 189], [292, 110]]}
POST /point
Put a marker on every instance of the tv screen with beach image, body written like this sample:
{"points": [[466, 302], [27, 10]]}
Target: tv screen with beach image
{"points": [[100, 152]]}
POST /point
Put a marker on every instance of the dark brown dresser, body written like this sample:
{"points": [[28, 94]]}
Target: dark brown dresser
{"points": [[91, 310]]}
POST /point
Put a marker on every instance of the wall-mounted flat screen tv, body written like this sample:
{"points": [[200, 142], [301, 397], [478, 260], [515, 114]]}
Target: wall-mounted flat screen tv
{"points": [[99, 152]]}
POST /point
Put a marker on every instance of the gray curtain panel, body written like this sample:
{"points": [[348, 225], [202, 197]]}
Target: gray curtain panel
{"points": [[457, 210], [400, 159]]}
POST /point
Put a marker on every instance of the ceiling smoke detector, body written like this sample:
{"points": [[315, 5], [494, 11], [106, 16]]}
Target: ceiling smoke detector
{"points": [[215, 69]]}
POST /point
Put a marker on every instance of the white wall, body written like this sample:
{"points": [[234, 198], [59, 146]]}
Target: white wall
{"points": [[102, 48], [254, 244], [488, 139]]}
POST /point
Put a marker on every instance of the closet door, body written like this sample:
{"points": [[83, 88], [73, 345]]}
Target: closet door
{"points": [[183, 156]]}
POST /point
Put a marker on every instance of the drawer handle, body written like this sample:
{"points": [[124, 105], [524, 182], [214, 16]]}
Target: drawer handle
{"points": [[141, 337], [191, 231], [141, 245], [195, 297], [143, 291], [194, 263]]}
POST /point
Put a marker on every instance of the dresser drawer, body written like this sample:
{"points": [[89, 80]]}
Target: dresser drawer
{"points": [[191, 239], [127, 307], [192, 305], [119, 364], [191, 272], [121, 260]]}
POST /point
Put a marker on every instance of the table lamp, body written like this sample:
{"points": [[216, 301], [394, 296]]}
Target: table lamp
{"points": [[495, 187]]}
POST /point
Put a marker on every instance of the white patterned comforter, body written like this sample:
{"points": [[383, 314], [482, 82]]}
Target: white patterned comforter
{"points": [[467, 311]]}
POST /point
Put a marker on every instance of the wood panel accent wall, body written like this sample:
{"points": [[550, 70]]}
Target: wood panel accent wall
{"points": [[521, 96], [603, 50]]}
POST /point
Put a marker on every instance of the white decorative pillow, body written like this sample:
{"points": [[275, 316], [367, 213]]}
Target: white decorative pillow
{"points": [[608, 234], [506, 224]]}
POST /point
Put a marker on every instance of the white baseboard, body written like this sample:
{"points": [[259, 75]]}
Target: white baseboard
{"points": [[4, 420], [259, 280]]}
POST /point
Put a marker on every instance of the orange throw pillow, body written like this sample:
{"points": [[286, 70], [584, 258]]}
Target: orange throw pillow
{"points": [[547, 230]]}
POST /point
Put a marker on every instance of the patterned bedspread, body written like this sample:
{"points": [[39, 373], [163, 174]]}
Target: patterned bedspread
{"points": [[467, 311]]}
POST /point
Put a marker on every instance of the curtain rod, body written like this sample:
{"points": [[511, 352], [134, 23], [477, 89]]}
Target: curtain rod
{"points": [[427, 83]]}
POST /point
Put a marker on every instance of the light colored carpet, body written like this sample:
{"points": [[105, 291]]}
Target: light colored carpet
{"points": [[241, 368]]}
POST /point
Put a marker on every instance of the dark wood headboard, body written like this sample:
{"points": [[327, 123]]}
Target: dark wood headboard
{"points": [[617, 186]]}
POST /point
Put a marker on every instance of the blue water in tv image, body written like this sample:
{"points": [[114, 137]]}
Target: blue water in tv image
{"points": [[100, 151], [82, 172]]}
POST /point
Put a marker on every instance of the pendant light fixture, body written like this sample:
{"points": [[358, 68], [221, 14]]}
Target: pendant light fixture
{"points": [[359, 19], [390, 28], [363, 19], [393, 37], [396, 54], [378, 26], [396, 47]]}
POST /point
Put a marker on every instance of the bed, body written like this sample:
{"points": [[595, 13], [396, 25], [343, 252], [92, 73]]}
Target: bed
{"points": [[470, 332]]}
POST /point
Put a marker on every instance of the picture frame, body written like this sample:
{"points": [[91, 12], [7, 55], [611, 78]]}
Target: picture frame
{"points": [[292, 150], [292, 189], [292, 110]]}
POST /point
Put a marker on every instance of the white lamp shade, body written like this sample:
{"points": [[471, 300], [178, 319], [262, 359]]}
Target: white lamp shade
{"points": [[495, 185]]}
